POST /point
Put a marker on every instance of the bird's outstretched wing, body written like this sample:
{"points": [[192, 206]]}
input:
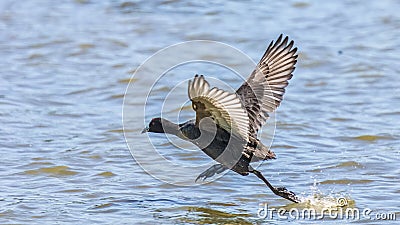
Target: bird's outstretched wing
{"points": [[223, 107], [263, 91]]}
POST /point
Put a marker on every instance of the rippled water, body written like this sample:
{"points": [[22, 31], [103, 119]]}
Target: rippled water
{"points": [[65, 67]]}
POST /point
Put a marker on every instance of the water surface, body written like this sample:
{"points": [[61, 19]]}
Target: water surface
{"points": [[65, 67]]}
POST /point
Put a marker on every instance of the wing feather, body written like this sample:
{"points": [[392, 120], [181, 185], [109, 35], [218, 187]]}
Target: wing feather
{"points": [[263, 91], [223, 107]]}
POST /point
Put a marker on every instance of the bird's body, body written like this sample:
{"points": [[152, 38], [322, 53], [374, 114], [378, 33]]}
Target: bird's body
{"points": [[222, 140], [227, 124]]}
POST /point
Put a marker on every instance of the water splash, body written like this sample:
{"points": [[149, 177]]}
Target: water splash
{"points": [[318, 200]]}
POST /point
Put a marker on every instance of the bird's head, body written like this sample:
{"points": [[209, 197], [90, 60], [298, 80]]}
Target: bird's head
{"points": [[160, 125], [155, 126]]}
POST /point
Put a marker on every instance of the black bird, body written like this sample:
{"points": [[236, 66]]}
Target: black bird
{"points": [[227, 124]]}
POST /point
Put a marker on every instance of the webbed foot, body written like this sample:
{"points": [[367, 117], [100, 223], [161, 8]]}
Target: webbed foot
{"points": [[215, 169], [280, 191], [285, 193]]}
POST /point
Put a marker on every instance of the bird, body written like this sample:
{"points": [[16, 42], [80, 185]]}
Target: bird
{"points": [[227, 124]]}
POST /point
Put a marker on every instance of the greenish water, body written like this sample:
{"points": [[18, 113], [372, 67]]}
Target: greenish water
{"points": [[65, 68]]}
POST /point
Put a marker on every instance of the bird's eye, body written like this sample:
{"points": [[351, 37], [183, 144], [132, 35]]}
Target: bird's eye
{"points": [[194, 106]]}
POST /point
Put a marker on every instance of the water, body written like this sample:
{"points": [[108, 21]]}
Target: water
{"points": [[65, 68]]}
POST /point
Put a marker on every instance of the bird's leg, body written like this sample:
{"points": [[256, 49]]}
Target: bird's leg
{"points": [[215, 169], [280, 191]]}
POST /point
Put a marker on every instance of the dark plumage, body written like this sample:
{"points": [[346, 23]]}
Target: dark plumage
{"points": [[227, 124]]}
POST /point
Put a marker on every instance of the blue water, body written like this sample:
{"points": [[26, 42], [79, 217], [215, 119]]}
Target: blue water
{"points": [[65, 68]]}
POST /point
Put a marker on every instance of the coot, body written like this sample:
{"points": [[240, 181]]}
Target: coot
{"points": [[227, 124]]}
